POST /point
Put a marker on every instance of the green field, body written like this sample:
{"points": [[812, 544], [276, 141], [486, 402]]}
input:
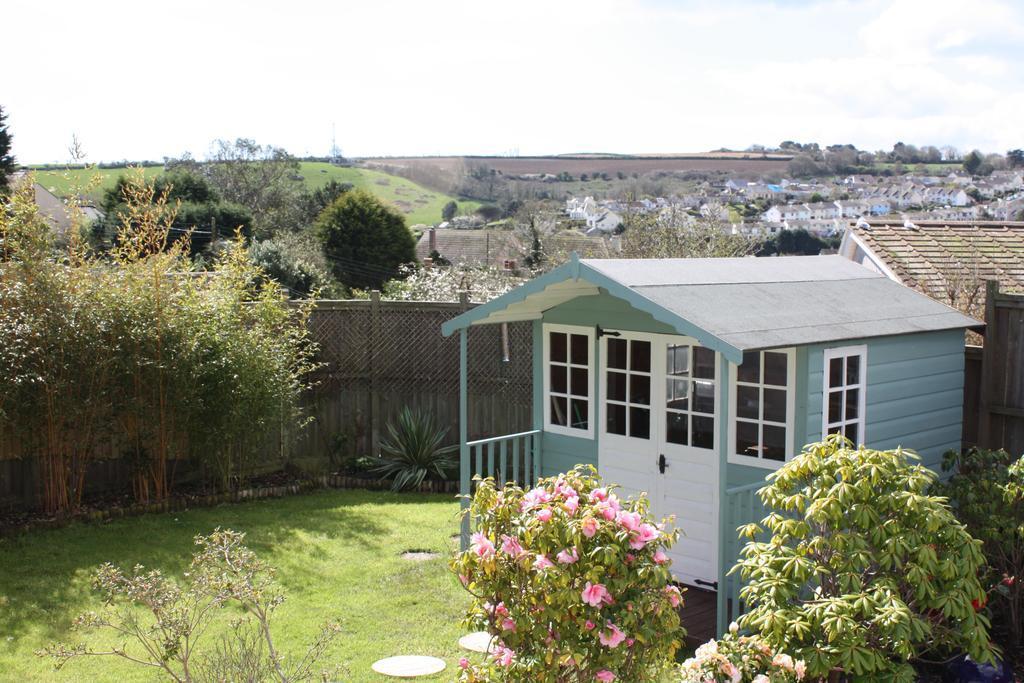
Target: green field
{"points": [[419, 204], [337, 555]]}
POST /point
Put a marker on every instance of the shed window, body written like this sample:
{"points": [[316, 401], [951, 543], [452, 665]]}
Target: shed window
{"points": [[568, 372], [843, 397], [628, 403], [763, 405]]}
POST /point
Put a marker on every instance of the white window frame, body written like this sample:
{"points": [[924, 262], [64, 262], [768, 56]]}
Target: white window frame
{"points": [[588, 332], [862, 384], [757, 461]]}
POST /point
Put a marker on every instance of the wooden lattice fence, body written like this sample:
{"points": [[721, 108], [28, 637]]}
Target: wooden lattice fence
{"points": [[380, 356]]}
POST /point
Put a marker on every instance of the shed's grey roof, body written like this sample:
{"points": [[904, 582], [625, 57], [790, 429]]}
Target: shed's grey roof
{"points": [[753, 303]]}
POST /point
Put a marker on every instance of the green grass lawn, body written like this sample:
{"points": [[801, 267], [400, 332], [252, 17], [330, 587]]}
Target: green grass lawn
{"points": [[419, 204], [337, 557]]}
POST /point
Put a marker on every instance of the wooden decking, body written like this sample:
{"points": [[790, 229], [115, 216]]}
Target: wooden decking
{"points": [[699, 615]]}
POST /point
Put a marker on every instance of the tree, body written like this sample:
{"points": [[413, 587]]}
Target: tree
{"points": [[313, 203], [365, 240], [677, 234], [449, 211], [7, 162], [296, 261], [1015, 158], [972, 162], [857, 568], [264, 179], [196, 204]]}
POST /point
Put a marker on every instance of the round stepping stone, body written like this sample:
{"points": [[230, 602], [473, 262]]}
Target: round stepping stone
{"points": [[479, 641], [409, 666]]}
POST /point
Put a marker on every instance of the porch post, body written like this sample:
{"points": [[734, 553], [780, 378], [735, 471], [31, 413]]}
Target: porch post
{"points": [[538, 399], [722, 596], [464, 474]]}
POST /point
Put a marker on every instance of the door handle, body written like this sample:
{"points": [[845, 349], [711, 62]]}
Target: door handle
{"points": [[661, 463]]}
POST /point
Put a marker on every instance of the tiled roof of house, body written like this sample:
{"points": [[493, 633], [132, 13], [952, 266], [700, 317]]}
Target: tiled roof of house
{"points": [[930, 254]]}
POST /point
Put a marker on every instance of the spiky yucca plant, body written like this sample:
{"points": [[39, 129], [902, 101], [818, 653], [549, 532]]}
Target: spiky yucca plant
{"points": [[414, 450]]}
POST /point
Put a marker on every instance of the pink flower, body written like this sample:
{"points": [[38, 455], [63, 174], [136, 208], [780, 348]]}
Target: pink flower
{"points": [[568, 556], [644, 535], [589, 527], [463, 663], [498, 610], [511, 547], [482, 546], [589, 625], [595, 594], [630, 521], [598, 495], [533, 498], [674, 596], [544, 514], [504, 656], [605, 676], [572, 504], [508, 624], [542, 562], [611, 637], [630, 641], [660, 557], [464, 579]]}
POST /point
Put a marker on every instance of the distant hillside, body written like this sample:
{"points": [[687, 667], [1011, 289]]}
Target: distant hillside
{"points": [[577, 164], [419, 204]]}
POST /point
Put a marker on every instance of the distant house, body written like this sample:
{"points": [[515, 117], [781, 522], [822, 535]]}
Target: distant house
{"points": [[501, 248], [580, 209], [604, 223], [949, 261], [53, 209]]}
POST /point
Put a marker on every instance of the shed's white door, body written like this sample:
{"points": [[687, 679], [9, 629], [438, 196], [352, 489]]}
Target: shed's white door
{"points": [[658, 435]]}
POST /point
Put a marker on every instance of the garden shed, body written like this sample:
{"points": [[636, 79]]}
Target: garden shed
{"points": [[691, 379]]}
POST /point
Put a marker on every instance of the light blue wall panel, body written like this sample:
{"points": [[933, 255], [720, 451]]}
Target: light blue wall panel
{"points": [[914, 395]]}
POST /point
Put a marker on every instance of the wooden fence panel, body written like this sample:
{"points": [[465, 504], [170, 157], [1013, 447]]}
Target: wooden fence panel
{"points": [[1000, 415]]}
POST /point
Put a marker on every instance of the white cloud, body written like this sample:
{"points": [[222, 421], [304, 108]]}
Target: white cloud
{"points": [[541, 76]]}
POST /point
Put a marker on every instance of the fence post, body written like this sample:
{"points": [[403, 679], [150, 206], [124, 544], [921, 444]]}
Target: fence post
{"points": [[375, 341], [988, 366]]}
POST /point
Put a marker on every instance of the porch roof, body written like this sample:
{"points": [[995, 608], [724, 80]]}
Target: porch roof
{"points": [[736, 304]]}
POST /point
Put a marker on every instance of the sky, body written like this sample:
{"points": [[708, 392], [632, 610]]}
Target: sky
{"points": [[145, 80]]}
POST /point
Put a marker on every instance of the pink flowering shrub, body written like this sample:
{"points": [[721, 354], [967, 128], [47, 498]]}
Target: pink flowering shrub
{"points": [[740, 659], [572, 582]]}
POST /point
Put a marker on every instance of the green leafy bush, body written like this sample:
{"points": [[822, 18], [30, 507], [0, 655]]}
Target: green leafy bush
{"points": [[986, 490], [414, 450], [740, 659], [572, 582], [862, 571]]}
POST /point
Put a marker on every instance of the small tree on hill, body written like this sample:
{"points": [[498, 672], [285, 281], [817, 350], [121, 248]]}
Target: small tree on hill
{"points": [[449, 211], [863, 571], [7, 163], [365, 240], [972, 162]]}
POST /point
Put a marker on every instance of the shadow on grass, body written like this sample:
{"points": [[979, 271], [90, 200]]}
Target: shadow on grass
{"points": [[45, 575]]}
